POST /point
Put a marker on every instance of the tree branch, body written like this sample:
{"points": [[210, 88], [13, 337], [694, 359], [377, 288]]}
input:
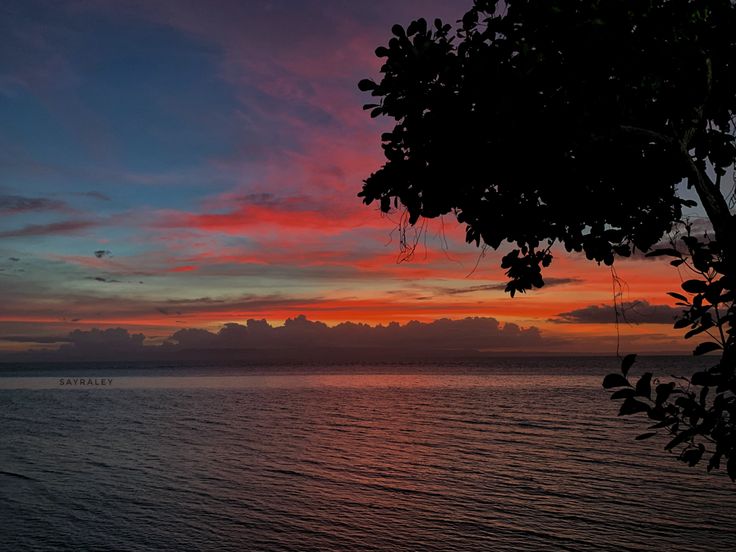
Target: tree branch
{"points": [[647, 133], [714, 203]]}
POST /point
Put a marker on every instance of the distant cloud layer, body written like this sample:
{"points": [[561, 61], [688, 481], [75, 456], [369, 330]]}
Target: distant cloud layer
{"points": [[64, 227], [465, 334], [635, 312], [110, 341], [302, 336]]}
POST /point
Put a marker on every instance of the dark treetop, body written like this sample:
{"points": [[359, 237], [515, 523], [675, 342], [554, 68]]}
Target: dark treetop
{"points": [[573, 121], [569, 121]]}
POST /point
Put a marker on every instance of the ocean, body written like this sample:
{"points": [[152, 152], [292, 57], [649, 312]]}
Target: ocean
{"points": [[502, 454]]}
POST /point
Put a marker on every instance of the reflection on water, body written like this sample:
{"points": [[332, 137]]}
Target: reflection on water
{"points": [[344, 462]]}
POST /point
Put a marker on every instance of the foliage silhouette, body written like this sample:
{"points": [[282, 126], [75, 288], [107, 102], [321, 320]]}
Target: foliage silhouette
{"points": [[574, 122]]}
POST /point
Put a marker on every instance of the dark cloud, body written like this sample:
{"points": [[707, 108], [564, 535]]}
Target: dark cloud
{"points": [[107, 343], [193, 338], [299, 332], [168, 312], [64, 227], [471, 289], [101, 279], [14, 259], [301, 338], [12, 204], [634, 312], [36, 339], [548, 282]]}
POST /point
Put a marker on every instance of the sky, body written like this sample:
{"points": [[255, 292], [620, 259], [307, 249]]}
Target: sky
{"points": [[177, 165]]}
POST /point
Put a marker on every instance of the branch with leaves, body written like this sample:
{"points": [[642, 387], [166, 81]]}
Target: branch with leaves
{"points": [[698, 412]]}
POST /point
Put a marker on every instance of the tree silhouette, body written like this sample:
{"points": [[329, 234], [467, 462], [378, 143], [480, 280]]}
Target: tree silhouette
{"points": [[576, 122]]}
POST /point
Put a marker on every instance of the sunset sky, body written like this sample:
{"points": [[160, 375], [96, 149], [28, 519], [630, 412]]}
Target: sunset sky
{"points": [[187, 164]]}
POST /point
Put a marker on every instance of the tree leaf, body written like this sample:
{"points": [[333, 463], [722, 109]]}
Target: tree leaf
{"points": [[706, 347], [627, 363], [632, 406], [623, 393], [715, 461], [645, 435], [699, 378], [696, 331], [398, 30], [664, 423], [677, 296], [366, 85], [694, 286], [615, 380], [644, 386], [679, 439], [664, 390], [692, 456]]}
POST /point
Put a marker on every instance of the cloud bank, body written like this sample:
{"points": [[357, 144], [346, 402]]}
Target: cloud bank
{"points": [[634, 312], [300, 338]]}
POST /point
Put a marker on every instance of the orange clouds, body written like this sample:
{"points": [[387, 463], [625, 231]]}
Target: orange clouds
{"points": [[285, 215], [248, 207]]}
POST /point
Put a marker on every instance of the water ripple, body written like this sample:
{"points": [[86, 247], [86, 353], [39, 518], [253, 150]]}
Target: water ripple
{"points": [[415, 463]]}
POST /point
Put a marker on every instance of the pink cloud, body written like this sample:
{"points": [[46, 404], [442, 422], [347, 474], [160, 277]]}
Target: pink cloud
{"points": [[185, 268]]}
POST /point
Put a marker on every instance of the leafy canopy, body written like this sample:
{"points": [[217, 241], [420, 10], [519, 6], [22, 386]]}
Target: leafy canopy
{"points": [[574, 121], [569, 121]]}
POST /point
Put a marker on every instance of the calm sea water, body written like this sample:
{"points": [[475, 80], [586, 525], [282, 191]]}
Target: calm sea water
{"points": [[508, 455]]}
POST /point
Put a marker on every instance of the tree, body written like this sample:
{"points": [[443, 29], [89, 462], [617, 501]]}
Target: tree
{"points": [[577, 122]]}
